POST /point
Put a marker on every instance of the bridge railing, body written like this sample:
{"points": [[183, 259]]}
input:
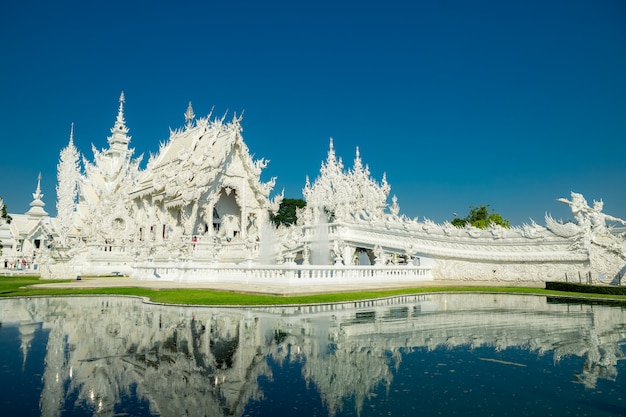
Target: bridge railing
{"points": [[280, 274]]}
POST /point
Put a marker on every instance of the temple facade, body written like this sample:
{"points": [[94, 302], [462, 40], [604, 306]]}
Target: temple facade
{"points": [[199, 211], [24, 236]]}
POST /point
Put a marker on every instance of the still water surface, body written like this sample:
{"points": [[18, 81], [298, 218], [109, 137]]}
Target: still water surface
{"points": [[427, 355]]}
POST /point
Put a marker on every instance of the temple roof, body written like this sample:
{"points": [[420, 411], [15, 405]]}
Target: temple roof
{"points": [[195, 156]]}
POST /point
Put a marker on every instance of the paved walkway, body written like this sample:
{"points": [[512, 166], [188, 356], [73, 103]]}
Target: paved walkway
{"points": [[124, 282]]}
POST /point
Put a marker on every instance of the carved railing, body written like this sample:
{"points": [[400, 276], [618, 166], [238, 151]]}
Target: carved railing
{"points": [[109, 247], [280, 274]]}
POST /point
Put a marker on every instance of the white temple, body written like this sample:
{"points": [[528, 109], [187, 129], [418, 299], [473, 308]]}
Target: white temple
{"points": [[200, 212]]}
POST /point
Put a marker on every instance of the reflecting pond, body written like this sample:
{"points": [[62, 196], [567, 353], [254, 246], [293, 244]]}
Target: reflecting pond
{"points": [[441, 354]]}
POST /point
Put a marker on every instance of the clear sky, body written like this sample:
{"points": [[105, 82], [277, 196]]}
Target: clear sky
{"points": [[462, 103]]}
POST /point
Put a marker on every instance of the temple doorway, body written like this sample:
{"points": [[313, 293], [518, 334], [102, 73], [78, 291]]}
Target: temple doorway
{"points": [[227, 215]]}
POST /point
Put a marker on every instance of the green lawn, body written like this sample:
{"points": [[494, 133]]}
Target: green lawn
{"points": [[16, 287]]}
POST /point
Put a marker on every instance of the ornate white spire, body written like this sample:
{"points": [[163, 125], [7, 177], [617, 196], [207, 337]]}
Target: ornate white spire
{"points": [[331, 150], [36, 206], [68, 174], [37, 194], [119, 139], [189, 116], [358, 163], [342, 193], [71, 135], [120, 112]]}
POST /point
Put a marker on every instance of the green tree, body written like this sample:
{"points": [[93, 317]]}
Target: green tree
{"points": [[286, 213], [5, 217], [481, 217], [4, 214]]}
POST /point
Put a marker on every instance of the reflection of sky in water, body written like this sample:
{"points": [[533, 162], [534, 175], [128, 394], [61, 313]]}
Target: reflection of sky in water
{"points": [[21, 383], [460, 381], [425, 355], [20, 379]]}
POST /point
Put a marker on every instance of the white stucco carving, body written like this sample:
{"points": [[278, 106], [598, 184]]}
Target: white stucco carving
{"points": [[68, 176]]}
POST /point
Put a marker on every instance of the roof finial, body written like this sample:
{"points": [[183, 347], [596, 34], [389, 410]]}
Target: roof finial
{"points": [[38, 195], [119, 140], [358, 163], [120, 111], [36, 206], [189, 116], [331, 151]]}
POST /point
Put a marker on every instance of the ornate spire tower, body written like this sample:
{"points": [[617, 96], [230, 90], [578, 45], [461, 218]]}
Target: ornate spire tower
{"points": [[119, 139], [36, 206], [68, 174], [342, 193], [106, 183]]}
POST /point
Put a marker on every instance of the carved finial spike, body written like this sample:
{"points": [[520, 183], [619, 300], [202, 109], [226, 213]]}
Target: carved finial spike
{"points": [[331, 151], [358, 164], [37, 194], [120, 138], [189, 115], [120, 111]]}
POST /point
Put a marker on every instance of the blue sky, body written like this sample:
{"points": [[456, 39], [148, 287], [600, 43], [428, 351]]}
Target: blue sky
{"points": [[462, 103]]}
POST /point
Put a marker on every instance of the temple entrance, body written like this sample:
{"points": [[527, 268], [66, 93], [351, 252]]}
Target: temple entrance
{"points": [[365, 256], [227, 215]]}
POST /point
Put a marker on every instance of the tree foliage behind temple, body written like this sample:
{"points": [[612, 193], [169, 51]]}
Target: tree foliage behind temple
{"points": [[481, 217], [286, 214]]}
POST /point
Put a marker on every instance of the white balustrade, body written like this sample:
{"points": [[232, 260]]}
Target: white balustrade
{"points": [[279, 274]]}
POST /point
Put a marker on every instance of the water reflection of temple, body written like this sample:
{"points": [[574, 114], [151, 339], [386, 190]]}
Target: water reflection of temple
{"points": [[199, 360]]}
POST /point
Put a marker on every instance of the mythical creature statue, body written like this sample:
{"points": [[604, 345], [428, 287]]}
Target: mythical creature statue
{"points": [[592, 227], [589, 218], [598, 219], [579, 207]]}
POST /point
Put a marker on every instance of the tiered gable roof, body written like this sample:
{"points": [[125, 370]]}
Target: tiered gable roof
{"points": [[196, 158]]}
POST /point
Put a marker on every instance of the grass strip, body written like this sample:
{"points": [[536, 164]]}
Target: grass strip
{"points": [[17, 287]]}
